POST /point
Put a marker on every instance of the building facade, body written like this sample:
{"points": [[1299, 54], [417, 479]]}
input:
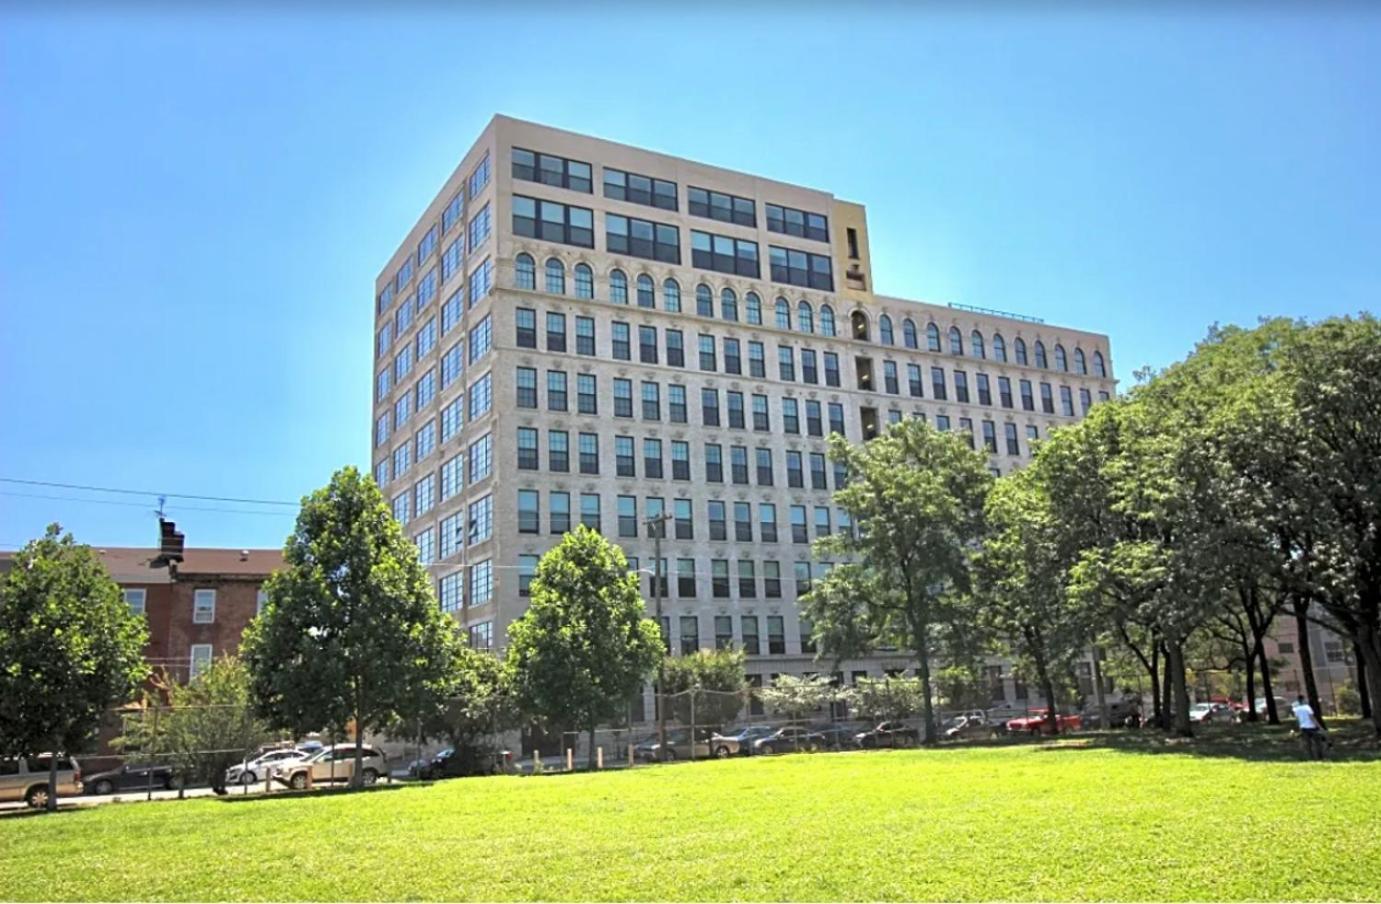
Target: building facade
{"points": [[578, 331]]}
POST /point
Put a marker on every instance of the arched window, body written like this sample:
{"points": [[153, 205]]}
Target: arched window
{"points": [[704, 301], [524, 272], [1098, 369], [885, 335], [805, 317], [976, 345], [671, 295], [826, 320], [556, 277], [1061, 362], [999, 347], [584, 281], [1040, 355], [783, 311], [858, 322], [932, 337], [1019, 349], [728, 304], [647, 291], [1080, 364], [908, 333], [956, 341], [753, 305], [618, 287]]}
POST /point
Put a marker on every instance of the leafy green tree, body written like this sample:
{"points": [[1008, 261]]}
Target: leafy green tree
{"points": [[477, 703], [1021, 581], [880, 699], [585, 645], [714, 679], [69, 649], [917, 497], [798, 698], [351, 635]]}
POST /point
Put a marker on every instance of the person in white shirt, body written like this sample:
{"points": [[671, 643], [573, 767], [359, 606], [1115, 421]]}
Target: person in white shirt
{"points": [[1314, 736]]}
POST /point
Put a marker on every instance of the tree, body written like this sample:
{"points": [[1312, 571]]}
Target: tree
{"points": [[880, 699], [585, 645], [69, 650], [206, 726], [351, 634], [797, 698], [916, 496], [1021, 575], [713, 679], [477, 703]]}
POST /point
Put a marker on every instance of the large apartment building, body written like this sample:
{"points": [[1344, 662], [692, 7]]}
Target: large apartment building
{"points": [[581, 331]]}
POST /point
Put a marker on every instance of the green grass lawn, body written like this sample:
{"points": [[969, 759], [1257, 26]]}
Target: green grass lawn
{"points": [[1008, 822]]}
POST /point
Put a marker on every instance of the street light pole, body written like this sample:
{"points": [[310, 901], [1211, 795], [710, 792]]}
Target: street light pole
{"points": [[658, 524]]}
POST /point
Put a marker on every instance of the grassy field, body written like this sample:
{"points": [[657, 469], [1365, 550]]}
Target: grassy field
{"points": [[1014, 822]]}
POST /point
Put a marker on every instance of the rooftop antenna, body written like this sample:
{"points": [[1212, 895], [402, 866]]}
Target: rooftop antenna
{"points": [[159, 511]]}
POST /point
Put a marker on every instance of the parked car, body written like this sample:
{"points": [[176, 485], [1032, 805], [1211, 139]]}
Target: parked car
{"points": [[889, 734], [747, 736], [1038, 723], [789, 739], [256, 769], [1121, 714], [836, 736], [1283, 709], [1218, 713], [131, 778], [707, 743], [969, 725], [332, 764], [26, 778], [476, 761]]}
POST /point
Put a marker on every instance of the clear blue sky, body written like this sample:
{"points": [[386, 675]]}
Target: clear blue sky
{"points": [[193, 208]]}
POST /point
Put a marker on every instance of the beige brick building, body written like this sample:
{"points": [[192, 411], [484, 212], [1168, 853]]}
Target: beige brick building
{"points": [[578, 330]]}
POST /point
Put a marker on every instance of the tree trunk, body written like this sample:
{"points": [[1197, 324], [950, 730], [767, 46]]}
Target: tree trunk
{"points": [[1272, 714], [1036, 648], [1306, 656], [1248, 657], [590, 757], [1369, 645], [923, 666], [1174, 649], [1167, 701], [1103, 715], [1361, 670], [51, 805], [1157, 701]]}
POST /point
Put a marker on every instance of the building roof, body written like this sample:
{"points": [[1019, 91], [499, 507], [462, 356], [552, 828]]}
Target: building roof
{"points": [[133, 565]]}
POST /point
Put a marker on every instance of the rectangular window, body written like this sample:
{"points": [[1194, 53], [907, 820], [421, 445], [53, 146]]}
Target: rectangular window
{"points": [[1027, 401], [642, 238], [589, 453], [1013, 446], [1047, 399], [586, 394], [720, 206], [809, 373], [481, 592], [558, 451], [425, 440], [817, 471], [647, 344], [623, 398], [452, 364], [584, 335], [625, 186], [553, 222], [801, 268], [684, 521], [772, 580], [831, 369], [776, 635], [481, 281], [1066, 401], [481, 339], [1004, 391], [747, 579], [556, 390], [548, 169], [757, 364], [624, 463], [621, 344], [791, 418], [529, 512], [481, 453], [709, 407], [724, 631], [714, 463], [527, 569], [527, 448], [761, 421], [200, 660], [985, 392], [628, 516], [961, 386], [767, 522], [690, 634], [203, 606], [718, 525], [589, 511], [786, 363], [800, 223], [685, 578], [937, 384], [556, 332], [738, 464], [748, 628], [560, 513], [814, 425], [708, 359], [723, 254], [452, 477], [450, 592], [481, 514], [676, 348], [890, 382], [822, 521], [734, 403], [799, 534], [426, 288], [526, 383], [680, 460], [990, 436], [743, 522], [801, 571], [676, 403], [525, 322], [479, 177], [479, 230], [450, 530], [652, 458], [135, 598], [719, 578], [795, 473]]}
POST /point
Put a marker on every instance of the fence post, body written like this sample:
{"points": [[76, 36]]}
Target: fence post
{"points": [[570, 759], [536, 761], [693, 695], [268, 779], [630, 756], [599, 757]]}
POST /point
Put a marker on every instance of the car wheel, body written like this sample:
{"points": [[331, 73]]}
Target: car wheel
{"points": [[370, 776], [246, 778], [1035, 732], [37, 797], [104, 786], [812, 747], [298, 782], [170, 783], [767, 749], [721, 751], [670, 755]]}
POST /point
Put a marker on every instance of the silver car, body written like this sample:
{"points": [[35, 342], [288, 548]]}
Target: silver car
{"points": [[332, 764], [26, 778], [262, 767]]}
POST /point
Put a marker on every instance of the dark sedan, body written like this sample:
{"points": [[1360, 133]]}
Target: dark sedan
{"points": [[889, 734], [130, 778], [789, 739]]}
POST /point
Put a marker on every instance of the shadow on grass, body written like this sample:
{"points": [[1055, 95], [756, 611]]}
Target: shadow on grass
{"points": [[317, 792], [1353, 741]]}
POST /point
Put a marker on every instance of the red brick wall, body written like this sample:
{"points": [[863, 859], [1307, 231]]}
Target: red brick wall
{"points": [[236, 603]]}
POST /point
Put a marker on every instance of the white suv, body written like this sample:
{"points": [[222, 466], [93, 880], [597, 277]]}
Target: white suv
{"points": [[263, 766], [332, 764]]}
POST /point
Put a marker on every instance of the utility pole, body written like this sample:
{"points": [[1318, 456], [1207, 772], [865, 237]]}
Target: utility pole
{"points": [[658, 525]]}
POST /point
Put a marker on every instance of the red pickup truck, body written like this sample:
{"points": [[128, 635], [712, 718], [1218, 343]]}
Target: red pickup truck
{"points": [[1038, 722]]}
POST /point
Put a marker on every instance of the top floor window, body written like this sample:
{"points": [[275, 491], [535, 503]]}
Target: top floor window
{"points": [[956, 341], [553, 222], [1040, 355], [1080, 363], [932, 337], [1061, 362], [789, 221], [1098, 368], [551, 170], [885, 334], [1019, 351], [999, 348], [976, 344], [622, 186], [719, 206], [908, 333]]}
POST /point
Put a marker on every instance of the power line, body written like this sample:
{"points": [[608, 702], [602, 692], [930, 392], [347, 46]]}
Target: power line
{"points": [[129, 492], [175, 508]]}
